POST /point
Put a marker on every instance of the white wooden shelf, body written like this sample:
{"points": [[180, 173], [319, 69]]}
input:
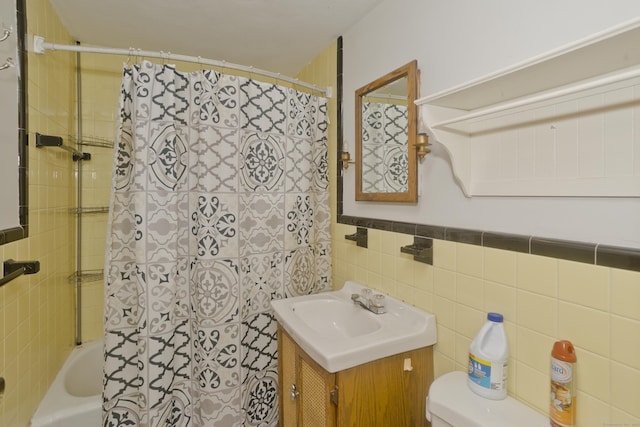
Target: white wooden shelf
{"points": [[566, 123]]}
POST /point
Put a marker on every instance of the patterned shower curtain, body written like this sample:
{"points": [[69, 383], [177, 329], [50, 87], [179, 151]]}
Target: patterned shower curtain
{"points": [[220, 204]]}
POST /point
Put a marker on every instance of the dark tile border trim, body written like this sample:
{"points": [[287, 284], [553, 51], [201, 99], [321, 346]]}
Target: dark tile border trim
{"points": [[590, 253], [510, 242], [617, 257], [564, 249]]}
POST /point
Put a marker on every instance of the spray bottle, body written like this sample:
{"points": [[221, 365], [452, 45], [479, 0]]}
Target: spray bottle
{"points": [[562, 410]]}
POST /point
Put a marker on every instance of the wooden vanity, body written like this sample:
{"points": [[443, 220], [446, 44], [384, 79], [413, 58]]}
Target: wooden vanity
{"points": [[386, 392]]}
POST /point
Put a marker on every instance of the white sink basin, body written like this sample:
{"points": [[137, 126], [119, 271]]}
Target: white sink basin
{"points": [[339, 334], [332, 318]]}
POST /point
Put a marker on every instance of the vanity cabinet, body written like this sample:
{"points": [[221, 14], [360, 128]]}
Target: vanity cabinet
{"points": [[386, 392]]}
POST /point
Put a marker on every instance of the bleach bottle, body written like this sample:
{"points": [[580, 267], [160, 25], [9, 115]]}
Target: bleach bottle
{"points": [[488, 360]]}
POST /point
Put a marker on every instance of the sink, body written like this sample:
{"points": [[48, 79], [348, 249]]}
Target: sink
{"points": [[339, 334], [331, 318]]}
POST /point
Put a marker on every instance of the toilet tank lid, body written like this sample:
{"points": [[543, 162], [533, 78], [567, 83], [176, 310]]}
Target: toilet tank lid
{"points": [[451, 399]]}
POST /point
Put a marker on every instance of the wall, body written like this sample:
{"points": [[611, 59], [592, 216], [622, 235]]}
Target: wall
{"points": [[543, 299], [100, 76], [37, 311], [455, 42]]}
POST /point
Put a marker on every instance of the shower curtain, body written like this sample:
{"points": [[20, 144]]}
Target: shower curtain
{"points": [[220, 204]]}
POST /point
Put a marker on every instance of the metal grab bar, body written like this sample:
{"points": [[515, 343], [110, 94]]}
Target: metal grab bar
{"points": [[9, 277], [14, 269]]}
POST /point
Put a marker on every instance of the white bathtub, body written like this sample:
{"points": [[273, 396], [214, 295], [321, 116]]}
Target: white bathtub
{"points": [[74, 399]]}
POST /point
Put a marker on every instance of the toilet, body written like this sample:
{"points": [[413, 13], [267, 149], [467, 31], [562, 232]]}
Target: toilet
{"points": [[451, 403]]}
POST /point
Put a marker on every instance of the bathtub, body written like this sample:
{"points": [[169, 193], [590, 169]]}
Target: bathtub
{"points": [[74, 399]]}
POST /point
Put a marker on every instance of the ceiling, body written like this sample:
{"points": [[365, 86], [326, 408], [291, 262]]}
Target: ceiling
{"points": [[281, 36]]}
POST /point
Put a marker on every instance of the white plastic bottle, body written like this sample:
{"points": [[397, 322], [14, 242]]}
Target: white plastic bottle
{"points": [[488, 359]]}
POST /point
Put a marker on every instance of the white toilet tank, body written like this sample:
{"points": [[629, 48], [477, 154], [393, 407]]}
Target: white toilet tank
{"points": [[452, 404]]}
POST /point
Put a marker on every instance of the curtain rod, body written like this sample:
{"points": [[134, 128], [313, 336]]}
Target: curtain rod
{"points": [[41, 46]]}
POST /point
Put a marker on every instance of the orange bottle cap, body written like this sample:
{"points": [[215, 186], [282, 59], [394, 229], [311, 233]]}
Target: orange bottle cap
{"points": [[563, 350]]}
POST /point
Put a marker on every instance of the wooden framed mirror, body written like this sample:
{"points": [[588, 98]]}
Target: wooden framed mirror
{"points": [[386, 131]]}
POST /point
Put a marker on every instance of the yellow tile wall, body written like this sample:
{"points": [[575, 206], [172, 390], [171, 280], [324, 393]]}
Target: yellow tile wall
{"points": [[37, 311], [100, 76], [543, 300]]}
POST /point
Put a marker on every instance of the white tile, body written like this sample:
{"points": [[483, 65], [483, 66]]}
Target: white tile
{"points": [[591, 139], [618, 135]]}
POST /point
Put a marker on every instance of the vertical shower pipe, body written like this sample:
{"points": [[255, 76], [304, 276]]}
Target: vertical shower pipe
{"points": [[78, 274]]}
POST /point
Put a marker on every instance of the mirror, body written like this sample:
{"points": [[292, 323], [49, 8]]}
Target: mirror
{"points": [[386, 130], [13, 134]]}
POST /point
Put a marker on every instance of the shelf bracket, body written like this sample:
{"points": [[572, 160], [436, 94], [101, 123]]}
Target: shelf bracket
{"points": [[361, 237], [421, 249], [56, 141]]}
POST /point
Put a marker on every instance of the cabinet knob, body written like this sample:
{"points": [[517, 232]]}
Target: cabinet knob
{"points": [[293, 392]]}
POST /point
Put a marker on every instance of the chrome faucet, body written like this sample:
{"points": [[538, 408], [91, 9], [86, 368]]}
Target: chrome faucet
{"points": [[373, 303]]}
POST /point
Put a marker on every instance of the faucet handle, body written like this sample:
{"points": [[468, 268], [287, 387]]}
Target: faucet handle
{"points": [[378, 300], [366, 293]]}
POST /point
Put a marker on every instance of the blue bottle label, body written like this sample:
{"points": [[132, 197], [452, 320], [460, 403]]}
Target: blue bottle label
{"points": [[479, 371]]}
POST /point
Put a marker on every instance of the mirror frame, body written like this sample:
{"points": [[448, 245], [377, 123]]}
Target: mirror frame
{"points": [[16, 233], [410, 71]]}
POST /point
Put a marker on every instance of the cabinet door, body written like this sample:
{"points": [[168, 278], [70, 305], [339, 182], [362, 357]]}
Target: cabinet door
{"points": [[386, 392], [309, 403], [316, 385]]}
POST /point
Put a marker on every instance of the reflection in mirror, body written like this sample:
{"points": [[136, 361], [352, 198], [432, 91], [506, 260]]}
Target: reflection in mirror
{"points": [[385, 137]]}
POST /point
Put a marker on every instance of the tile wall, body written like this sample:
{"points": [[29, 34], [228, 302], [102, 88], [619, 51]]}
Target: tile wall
{"points": [[100, 76], [543, 299], [37, 311]]}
